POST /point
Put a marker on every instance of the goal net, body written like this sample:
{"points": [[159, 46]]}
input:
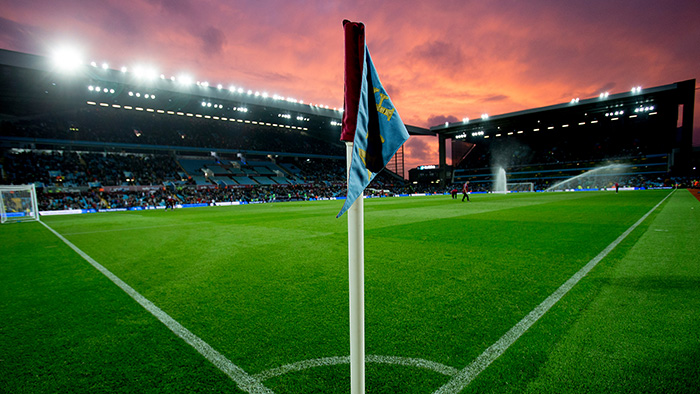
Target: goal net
{"points": [[521, 187], [18, 203]]}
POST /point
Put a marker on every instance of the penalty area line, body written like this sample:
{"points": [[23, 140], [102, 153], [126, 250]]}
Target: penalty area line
{"points": [[471, 371], [238, 375]]}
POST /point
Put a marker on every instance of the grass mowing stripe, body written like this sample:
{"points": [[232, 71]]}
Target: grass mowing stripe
{"points": [[471, 371], [244, 381]]}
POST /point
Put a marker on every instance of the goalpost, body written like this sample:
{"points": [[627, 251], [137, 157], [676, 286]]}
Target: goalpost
{"points": [[521, 187], [18, 203]]}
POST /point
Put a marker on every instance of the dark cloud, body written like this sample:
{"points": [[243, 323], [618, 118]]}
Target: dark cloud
{"points": [[393, 91], [213, 41], [176, 7], [498, 97], [440, 55], [441, 119]]}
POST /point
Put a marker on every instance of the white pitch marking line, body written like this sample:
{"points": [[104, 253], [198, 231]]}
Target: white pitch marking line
{"points": [[329, 361], [471, 371], [245, 382]]}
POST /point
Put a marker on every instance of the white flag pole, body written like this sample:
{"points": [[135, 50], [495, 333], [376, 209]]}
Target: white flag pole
{"points": [[356, 271]]}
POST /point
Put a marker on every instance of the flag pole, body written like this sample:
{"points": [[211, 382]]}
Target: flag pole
{"points": [[356, 273]]}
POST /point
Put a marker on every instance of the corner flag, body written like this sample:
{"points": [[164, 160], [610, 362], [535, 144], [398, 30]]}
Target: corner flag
{"points": [[370, 120]]}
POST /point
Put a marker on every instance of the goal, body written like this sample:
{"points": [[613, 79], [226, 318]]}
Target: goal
{"points": [[18, 203], [520, 187]]}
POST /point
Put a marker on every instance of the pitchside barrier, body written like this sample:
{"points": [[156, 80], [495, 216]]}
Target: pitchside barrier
{"points": [[229, 203]]}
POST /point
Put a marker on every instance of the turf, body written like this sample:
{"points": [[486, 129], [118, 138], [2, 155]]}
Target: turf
{"points": [[266, 286]]}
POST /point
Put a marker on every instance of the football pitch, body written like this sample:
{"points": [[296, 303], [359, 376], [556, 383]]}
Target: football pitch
{"points": [[586, 292]]}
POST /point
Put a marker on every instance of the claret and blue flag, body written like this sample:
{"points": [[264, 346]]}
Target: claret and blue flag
{"points": [[370, 120]]}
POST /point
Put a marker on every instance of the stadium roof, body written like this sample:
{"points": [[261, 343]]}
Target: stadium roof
{"points": [[576, 111], [100, 74]]}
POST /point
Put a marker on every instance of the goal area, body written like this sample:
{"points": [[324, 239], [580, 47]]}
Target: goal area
{"points": [[18, 203], [520, 187]]}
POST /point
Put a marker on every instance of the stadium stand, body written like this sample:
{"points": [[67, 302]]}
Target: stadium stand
{"points": [[101, 142]]}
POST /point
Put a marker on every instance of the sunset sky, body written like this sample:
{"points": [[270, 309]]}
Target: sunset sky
{"points": [[439, 60]]}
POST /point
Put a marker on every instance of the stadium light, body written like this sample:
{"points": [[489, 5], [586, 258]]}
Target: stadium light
{"points": [[465, 120], [67, 59], [147, 73], [105, 66], [484, 116], [604, 95], [124, 69], [184, 79]]}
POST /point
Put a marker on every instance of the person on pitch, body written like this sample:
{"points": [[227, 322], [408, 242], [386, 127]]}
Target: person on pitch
{"points": [[465, 191]]}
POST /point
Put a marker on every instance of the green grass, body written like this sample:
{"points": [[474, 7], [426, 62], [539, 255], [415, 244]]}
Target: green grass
{"points": [[266, 286]]}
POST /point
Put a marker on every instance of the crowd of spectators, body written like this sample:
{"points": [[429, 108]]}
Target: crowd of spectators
{"points": [[98, 181], [68, 168]]}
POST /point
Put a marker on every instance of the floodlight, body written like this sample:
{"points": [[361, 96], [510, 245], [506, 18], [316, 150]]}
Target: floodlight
{"points": [[484, 116], [184, 79], [465, 120], [219, 86], [123, 69], [94, 64], [145, 72], [105, 66], [67, 59], [91, 88]]}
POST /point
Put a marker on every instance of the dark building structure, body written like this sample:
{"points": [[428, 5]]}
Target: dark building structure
{"points": [[648, 127]]}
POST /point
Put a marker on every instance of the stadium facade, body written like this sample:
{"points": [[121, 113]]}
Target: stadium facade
{"points": [[649, 128]]}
